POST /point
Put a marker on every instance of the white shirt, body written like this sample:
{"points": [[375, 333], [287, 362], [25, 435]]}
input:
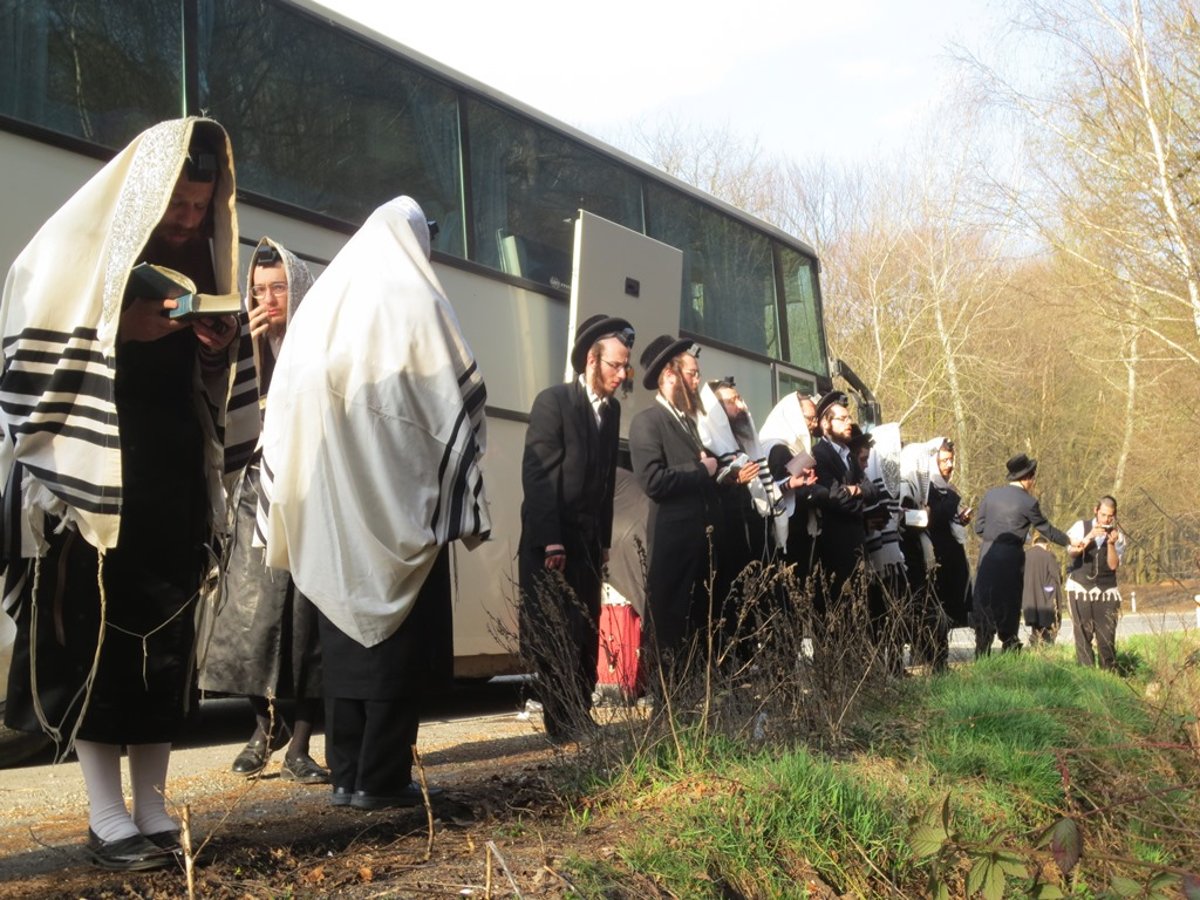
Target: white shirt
{"points": [[598, 402]]}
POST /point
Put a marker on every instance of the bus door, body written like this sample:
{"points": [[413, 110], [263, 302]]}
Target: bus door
{"points": [[623, 273]]}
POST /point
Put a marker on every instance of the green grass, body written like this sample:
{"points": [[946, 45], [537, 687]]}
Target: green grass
{"points": [[1015, 742]]}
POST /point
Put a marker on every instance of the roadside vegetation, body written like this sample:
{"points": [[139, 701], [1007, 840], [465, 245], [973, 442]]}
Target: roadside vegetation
{"points": [[1020, 775]]}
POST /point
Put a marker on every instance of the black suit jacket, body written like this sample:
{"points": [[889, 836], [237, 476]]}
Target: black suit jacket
{"points": [[569, 468], [843, 530]]}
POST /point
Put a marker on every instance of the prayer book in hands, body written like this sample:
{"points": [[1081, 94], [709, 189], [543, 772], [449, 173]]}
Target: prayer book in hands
{"points": [[155, 282]]}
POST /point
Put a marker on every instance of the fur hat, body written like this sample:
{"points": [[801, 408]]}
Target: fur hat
{"points": [[593, 329], [1020, 466], [660, 351]]}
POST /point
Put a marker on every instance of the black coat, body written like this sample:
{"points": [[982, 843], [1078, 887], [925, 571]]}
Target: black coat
{"points": [[1003, 522], [839, 546], [568, 474], [952, 580], [683, 505]]}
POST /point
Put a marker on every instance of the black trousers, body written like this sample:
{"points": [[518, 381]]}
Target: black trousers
{"points": [[1094, 620], [560, 629], [369, 744]]}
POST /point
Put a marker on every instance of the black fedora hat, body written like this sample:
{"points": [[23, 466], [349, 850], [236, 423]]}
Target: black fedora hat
{"points": [[829, 399], [593, 329], [660, 351], [1020, 466]]}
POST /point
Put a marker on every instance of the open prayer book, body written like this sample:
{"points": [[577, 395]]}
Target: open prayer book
{"points": [[151, 281]]}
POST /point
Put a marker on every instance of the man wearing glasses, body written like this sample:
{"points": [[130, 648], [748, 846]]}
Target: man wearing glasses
{"points": [[839, 546], [677, 473], [568, 474], [264, 641]]}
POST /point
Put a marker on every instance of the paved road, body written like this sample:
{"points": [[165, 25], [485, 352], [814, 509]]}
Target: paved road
{"points": [[962, 640]]}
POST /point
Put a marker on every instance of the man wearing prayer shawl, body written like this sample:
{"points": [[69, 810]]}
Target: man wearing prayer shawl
{"points": [[371, 466], [263, 641], [111, 466]]}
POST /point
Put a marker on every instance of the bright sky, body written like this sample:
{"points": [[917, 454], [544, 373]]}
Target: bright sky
{"points": [[845, 78]]}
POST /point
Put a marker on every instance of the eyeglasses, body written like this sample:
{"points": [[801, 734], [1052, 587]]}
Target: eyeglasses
{"points": [[845, 418], [689, 373], [276, 288], [615, 366]]}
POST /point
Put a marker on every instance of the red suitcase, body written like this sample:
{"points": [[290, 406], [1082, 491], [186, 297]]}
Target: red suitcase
{"points": [[618, 667]]}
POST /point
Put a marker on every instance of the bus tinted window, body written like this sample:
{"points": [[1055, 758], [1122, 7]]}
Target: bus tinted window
{"points": [[527, 184], [728, 277], [328, 122], [98, 71], [806, 345]]}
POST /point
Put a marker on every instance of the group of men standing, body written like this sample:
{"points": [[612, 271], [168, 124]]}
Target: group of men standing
{"points": [[807, 491]]}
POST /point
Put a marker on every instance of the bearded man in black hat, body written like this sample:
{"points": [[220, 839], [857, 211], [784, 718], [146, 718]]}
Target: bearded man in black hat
{"points": [[1003, 522], [677, 474], [568, 475], [839, 546]]}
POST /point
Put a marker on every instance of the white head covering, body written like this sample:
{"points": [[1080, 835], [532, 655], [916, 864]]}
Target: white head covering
{"points": [[254, 366], [60, 453], [785, 425], [717, 435], [374, 431]]}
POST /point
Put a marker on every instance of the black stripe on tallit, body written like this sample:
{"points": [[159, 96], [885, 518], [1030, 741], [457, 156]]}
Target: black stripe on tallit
{"points": [[475, 398], [467, 373], [461, 483], [51, 357], [238, 455], [264, 502], [63, 429], [81, 494], [444, 463], [239, 399], [56, 408], [49, 336], [60, 381]]}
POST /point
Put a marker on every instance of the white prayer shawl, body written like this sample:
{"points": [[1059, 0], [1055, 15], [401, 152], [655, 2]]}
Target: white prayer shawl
{"points": [[785, 425], [717, 435], [916, 460], [247, 400], [60, 453], [883, 468], [374, 431], [938, 480]]}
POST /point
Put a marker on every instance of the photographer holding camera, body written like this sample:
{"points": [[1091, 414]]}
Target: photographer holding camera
{"points": [[1097, 547]]}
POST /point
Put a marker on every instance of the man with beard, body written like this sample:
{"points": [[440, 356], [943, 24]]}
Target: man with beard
{"points": [[839, 546], [677, 474], [789, 433], [750, 500], [568, 476], [263, 643], [113, 463]]}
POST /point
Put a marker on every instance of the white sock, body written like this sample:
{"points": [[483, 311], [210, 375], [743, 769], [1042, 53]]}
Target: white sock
{"points": [[107, 815], [148, 778]]}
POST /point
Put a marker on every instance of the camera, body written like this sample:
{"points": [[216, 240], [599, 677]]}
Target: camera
{"points": [[1109, 527]]}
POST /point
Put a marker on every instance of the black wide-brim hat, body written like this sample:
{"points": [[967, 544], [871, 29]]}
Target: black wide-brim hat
{"points": [[829, 399], [593, 329], [657, 354], [1020, 466]]}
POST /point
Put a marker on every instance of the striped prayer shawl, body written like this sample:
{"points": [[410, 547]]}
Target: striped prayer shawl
{"points": [[60, 453], [374, 433]]}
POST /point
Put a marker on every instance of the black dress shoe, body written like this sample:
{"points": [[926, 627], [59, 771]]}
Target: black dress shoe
{"points": [[131, 854], [304, 770], [408, 797], [341, 796], [254, 756], [166, 840]]}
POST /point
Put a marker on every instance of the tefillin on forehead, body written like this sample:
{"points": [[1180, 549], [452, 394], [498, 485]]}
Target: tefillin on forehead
{"points": [[201, 163]]}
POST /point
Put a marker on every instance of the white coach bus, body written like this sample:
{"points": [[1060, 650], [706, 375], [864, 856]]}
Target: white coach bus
{"points": [[328, 121]]}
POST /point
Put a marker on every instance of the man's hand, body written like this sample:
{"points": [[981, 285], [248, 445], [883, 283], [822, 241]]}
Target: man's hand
{"points": [[747, 473], [215, 332], [804, 479], [556, 557], [148, 320], [260, 321]]}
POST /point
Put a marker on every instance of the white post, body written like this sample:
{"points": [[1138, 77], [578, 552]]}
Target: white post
{"points": [[1197, 599], [1133, 600]]}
